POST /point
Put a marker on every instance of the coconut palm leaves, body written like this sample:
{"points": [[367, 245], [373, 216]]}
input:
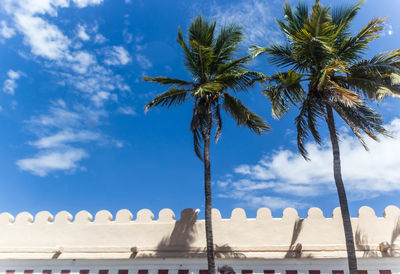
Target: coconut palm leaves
{"points": [[210, 59], [214, 71], [324, 73], [320, 53]]}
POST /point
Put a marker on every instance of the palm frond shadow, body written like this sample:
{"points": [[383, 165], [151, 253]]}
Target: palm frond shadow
{"points": [[295, 250], [180, 242], [181, 238], [395, 237], [361, 241]]}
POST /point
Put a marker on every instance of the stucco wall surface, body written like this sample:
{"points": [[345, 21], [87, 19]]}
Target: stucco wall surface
{"points": [[145, 237]]}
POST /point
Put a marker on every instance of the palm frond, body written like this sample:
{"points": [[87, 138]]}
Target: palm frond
{"points": [[344, 95], [381, 64], [352, 47], [361, 118], [172, 97], [282, 56], [227, 43], [242, 115], [218, 120], [234, 65], [374, 77], [239, 80], [167, 81], [202, 31], [306, 122], [343, 15], [189, 56], [198, 127], [284, 90]]}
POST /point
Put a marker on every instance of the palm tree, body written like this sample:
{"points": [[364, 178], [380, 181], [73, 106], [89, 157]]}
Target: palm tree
{"points": [[210, 59], [325, 73]]}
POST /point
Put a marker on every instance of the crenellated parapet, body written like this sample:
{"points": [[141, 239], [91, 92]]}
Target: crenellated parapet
{"points": [[104, 236]]}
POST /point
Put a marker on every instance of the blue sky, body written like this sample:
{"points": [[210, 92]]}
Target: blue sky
{"points": [[74, 134]]}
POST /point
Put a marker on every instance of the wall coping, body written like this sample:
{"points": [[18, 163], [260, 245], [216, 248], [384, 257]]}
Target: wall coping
{"points": [[103, 236]]}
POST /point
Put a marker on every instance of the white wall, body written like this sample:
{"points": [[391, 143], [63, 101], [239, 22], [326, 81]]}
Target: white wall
{"points": [[194, 265]]}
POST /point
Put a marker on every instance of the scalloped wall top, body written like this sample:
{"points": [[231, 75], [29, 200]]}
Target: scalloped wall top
{"points": [[167, 215]]}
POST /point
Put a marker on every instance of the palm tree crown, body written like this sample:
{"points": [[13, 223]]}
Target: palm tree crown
{"points": [[210, 60], [322, 55]]}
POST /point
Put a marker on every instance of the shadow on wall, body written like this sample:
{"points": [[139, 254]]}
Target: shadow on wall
{"points": [[395, 236], [179, 243], [182, 235], [295, 250], [385, 249], [361, 241]]}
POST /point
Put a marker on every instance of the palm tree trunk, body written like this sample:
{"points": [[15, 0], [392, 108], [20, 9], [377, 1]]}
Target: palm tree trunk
{"points": [[337, 172], [207, 190]]}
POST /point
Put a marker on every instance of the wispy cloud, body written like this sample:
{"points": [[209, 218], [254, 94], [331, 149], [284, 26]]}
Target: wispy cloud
{"points": [[127, 111], [99, 39], [63, 129], [285, 173], [85, 3], [257, 17], [82, 34], [48, 161], [60, 135], [64, 137], [143, 62], [6, 31], [45, 39], [128, 37], [10, 84], [117, 55]]}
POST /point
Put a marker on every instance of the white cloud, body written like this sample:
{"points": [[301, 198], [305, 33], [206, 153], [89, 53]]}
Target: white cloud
{"points": [[6, 31], [58, 117], [43, 163], [271, 202], [45, 39], [285, 172], [99, 39], [61, 117], [35, 7], [249, 194], [96, 80], [60, 139], [257, 17], [118, 144], [62, 129], [85, 3], [75, 67], [59, 134], [117, 55], [82, 34], [81, 61], [144, 63], [127, 111], [10, 84], [128, 37], [100, 97]]}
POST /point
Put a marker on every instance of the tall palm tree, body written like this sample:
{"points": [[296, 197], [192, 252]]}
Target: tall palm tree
{"points": [[210, 59], [326, 73]]}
